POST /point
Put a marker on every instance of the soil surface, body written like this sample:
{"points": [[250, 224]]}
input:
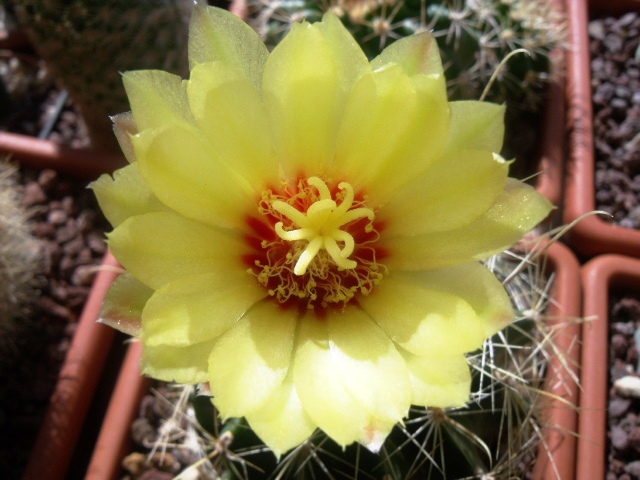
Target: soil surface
{"points": [[615, 70], [624, 410]]}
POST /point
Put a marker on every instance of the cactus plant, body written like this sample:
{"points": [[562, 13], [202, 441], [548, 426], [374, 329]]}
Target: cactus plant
{"points": [[87, 44], [496, 436], [473, 35], [20, 254]]}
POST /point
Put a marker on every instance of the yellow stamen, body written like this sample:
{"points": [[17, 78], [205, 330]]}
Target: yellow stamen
{"points": [[320, 226]]}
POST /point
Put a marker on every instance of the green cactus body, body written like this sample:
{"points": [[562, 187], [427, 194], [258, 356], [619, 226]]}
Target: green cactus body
{"points": [[86, 44]]}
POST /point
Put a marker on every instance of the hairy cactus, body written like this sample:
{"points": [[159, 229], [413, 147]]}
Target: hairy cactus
{"points": [[497, 435], [20, 254], [473, 35], [87, 44]]}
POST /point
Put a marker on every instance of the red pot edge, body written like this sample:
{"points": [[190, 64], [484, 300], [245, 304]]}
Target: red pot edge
{"points": [[84, 164], [114, 440], [77, 381], [592, 235], [599, 276], [558, 462]]}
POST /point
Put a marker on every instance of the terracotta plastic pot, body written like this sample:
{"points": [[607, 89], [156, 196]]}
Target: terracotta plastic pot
{"points": [[591, 236], [550, 179], [600, 276], [114, 441], [558, 463], [83, 164], [79, 376]]}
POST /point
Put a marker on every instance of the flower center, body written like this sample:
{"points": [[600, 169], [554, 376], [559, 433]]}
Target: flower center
{"points": [[321, 226], [316, 249]]}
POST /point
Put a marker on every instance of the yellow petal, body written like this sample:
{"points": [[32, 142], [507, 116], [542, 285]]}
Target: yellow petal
{"points": [[187, 365], [229, 111], [422, 319], [158, 248], [124, 126], [250, 362], [303, 96], [200, 308], [281, 423], [185, 173], [217, 35], [322, 393], [456, 190], [393, 127], [123, 305], [476, 126], [415, 54], [125, 195], [478, 286], [439, 381], [515, 212], [351, 60], [157, 98], [371, 371]]}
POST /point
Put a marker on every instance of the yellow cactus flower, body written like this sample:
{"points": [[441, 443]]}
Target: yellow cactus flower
{"points": [[307, 227]]}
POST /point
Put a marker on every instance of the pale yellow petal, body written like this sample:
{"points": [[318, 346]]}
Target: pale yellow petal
{"points": [[157, 98], [125, 195], [478, 286], [394, 126], [439, 381], [123, 305], [476, 126], [158, 248], [371, 371], [351, 60], [456, 190], [515, 212], [422, 319], [322, 393], [250, 362], [124, 126], [303, 96], [229, 111], [281, 423], [199, 308], [415, 54], [185, 173], [186, 365], [217, 35]]}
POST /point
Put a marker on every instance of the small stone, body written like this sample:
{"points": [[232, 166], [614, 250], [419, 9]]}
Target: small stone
{"points": [[619, 345], [596, 30], [619, 406], [33, 195], [633, 468], [47, 178], [142, 432], [619, 438], [155, 474], [628, 386]]}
